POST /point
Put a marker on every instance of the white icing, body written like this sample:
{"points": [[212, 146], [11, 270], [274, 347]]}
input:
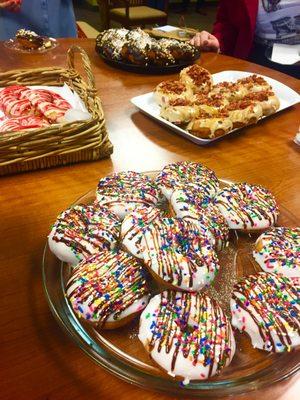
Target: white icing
{"points": [[242, 203], [177, 252], [278, 251], [133, 225], [184, 366]]}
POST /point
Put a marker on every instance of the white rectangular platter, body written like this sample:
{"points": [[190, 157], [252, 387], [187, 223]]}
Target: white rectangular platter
{"points": [[147, 105]]}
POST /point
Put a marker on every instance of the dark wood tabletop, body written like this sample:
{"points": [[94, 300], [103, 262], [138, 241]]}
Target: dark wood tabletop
{"points": [[39, 361]]}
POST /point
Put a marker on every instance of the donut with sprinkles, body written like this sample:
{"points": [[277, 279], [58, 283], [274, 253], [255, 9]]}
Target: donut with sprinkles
{"points": [[122, 192], [187, 174], [108, 289], [187, 334], [133, 226], [178, 255], [247, 207], [83, 230], [267, 307], [200, 210], [278, 251]]}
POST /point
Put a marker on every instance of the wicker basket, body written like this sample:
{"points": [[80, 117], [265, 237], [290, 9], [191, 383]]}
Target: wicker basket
{"points": [[60, 144]]}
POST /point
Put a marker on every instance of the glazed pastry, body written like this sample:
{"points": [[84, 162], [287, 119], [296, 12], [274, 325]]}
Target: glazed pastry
{"points": [[12, 104], [230, 91], [111, 42], [137, 47], [266, 307], [23, 123], [179, 111], [171, 90], [244, 112], [198, 79], [108, 289], [178, 255], [278, 251], [141, 49], [122, 192], [187, 174], [247, 207], [187, 334], [29, 39], [210, 104], [200, 210], [180, 51], [83, 230], [208, 126], [266, 99], [133, 226], [254, 83]]}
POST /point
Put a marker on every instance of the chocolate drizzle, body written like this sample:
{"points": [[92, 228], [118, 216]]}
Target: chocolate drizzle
{"points": [[273, 304], [106, 284], [247, 203], [194, 325], [86, 229], [175, 250]]}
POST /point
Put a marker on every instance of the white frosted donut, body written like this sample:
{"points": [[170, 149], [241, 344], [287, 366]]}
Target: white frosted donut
{"points": [[266, 307], [198, 79], [171, 90], [187, 334], [187, 174], [178, 255], [203, 213], [133, 226], [179, 111], [122, 192], [278, 251], [83, 230], [108, 289], [247, 207]]}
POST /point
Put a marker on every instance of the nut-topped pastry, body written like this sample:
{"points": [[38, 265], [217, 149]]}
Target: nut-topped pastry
{"points": [[30, 40]]}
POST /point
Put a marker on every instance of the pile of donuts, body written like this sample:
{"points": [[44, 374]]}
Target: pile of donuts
{"points": [[208, 111], [26, 108], [139, 48], [173, 230]]}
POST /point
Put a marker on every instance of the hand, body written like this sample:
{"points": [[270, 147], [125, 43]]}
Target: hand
{"points": [[205, 41], [11, 5]]}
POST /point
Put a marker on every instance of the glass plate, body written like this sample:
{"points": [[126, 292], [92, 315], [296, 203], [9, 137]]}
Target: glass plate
{"points": [[14, 45], [121, 353]]}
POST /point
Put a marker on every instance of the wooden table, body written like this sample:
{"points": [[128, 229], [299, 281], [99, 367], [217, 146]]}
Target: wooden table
{"points": [[38, 360]]}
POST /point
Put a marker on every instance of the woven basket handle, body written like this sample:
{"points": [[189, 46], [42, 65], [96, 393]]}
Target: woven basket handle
{"points": [[91, 86]]}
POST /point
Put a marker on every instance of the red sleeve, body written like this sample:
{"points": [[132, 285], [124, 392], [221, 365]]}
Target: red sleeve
{"points": [[223, 28]]}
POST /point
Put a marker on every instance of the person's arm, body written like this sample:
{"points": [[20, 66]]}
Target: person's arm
{"points": [[10, 5], [205, 41], [223, 29]]}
